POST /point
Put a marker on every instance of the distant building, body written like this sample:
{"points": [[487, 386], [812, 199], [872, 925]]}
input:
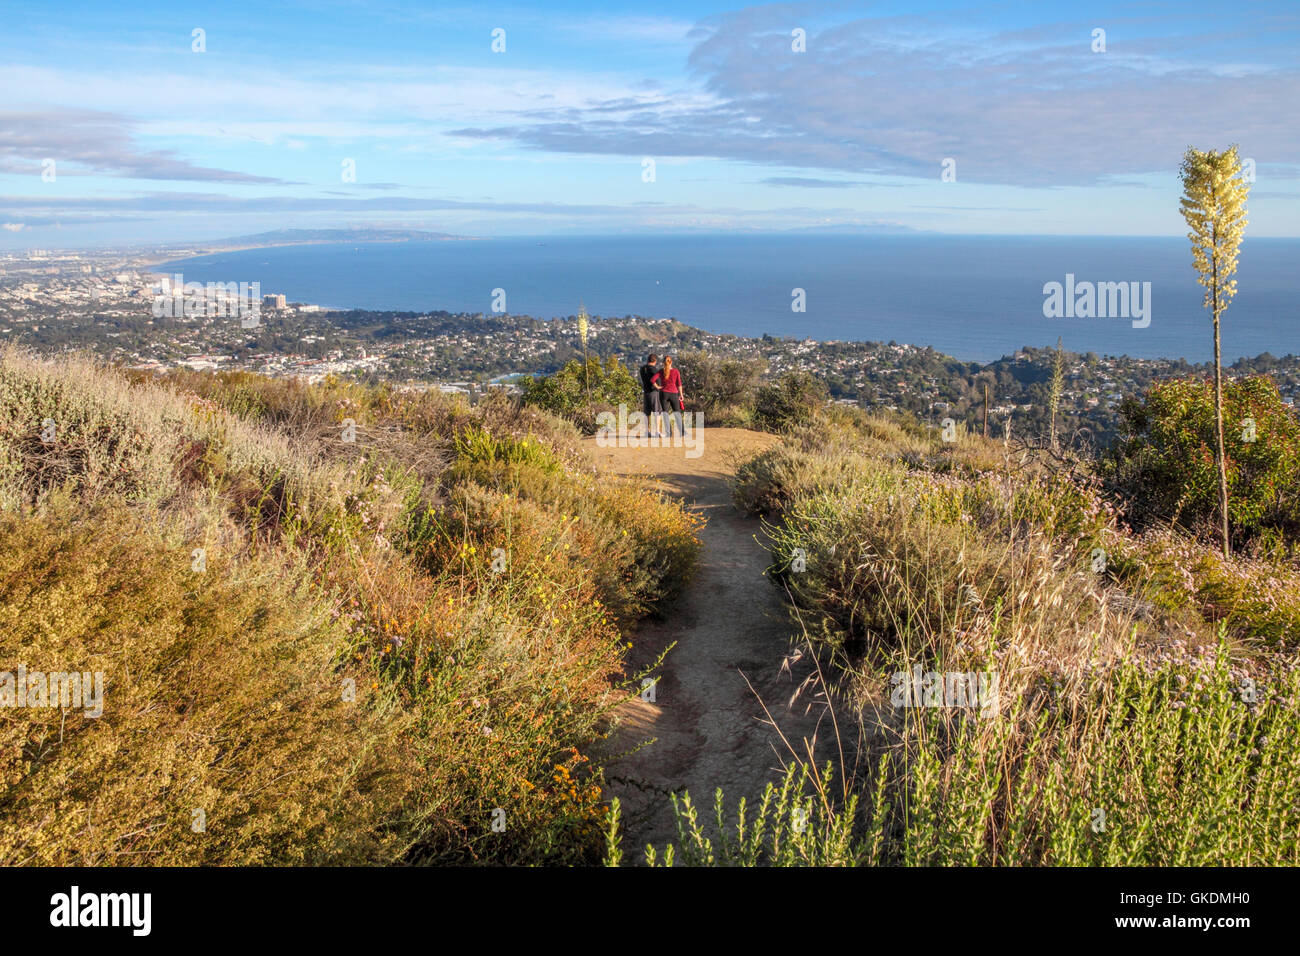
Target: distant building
{"points": [[273, 302]]}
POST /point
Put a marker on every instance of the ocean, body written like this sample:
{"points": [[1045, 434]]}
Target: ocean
{"points": [[973, 297]]}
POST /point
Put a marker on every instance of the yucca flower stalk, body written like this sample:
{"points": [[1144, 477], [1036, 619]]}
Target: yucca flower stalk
{"points": [[582, 333], [1214, 205]]}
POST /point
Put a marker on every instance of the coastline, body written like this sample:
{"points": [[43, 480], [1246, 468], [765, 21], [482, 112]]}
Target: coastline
{"points": [[148, 262]]}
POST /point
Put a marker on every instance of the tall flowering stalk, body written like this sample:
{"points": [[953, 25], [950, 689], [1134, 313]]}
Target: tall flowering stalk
{"points": [[1214, 205], [582, 332]]}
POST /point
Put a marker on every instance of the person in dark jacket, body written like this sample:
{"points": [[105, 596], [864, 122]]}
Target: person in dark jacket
{"points": [[650, 395]]}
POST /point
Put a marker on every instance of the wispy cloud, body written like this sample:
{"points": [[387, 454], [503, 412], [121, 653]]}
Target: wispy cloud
{"points": [[553, 133], [1027, 108], [97, 142]]}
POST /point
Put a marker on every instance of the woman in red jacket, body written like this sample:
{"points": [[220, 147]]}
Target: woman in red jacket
{"points": [[671, 396]]}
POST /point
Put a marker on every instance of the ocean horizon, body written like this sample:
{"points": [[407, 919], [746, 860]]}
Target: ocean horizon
{"points": [[976, 298]]}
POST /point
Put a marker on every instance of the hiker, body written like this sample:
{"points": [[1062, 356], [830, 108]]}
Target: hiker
{"points": [[671, 396], [650, 394]]}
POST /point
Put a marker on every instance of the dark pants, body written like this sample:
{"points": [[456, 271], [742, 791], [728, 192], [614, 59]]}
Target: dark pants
{"points": [[650, 402], [672, 403]]}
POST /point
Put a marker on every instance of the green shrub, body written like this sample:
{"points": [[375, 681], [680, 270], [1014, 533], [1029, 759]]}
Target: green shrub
{"points": [[1256, 600], [793, 399], [581, 390], [899, 559], [484, 457], [1164, 463], [721, 388], [1157, 765], [794, 825], [770, 480]]}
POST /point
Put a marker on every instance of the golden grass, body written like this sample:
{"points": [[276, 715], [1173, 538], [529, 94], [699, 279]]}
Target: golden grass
{"points": [[348, 679]]}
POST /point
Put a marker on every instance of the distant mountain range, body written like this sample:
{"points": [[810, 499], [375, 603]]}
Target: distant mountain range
{"points": [[858, 229], [288, 237]]}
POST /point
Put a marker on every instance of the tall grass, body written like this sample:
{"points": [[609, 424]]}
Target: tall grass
{"points": [[1143, 712], [1155, 765]]}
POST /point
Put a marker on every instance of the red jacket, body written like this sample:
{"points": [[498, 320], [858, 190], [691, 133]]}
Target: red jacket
{"points": [[672, 384]]}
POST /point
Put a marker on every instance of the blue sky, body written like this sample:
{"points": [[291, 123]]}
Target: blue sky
{"points": [[152, 141]]}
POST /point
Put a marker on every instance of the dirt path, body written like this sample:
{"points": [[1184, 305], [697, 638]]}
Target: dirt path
{"points": [[729, 625]]}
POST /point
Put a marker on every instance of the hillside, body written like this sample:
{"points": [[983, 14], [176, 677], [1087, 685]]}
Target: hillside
{"points": [[329, 624], [339, 624]]}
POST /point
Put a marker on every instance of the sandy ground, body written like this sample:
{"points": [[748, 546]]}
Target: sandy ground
{"points": [[708, 725]]}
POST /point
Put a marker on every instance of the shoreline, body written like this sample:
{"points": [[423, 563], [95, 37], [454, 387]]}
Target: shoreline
{"points": [[984, 313], [153, 260]]}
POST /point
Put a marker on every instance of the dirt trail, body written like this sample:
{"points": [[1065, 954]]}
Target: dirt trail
{"points": [[729, 624]]}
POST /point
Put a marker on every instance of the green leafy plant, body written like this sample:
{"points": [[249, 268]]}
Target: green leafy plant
{"points": [[583, 389], [1165, 465], [793, 399]]}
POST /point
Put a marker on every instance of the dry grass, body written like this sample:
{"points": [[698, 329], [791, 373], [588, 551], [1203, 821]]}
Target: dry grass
{"points": [[348, 679], [1124, 730]]}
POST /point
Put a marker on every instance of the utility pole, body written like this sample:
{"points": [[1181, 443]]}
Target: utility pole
{"points": [[986, 409]]}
